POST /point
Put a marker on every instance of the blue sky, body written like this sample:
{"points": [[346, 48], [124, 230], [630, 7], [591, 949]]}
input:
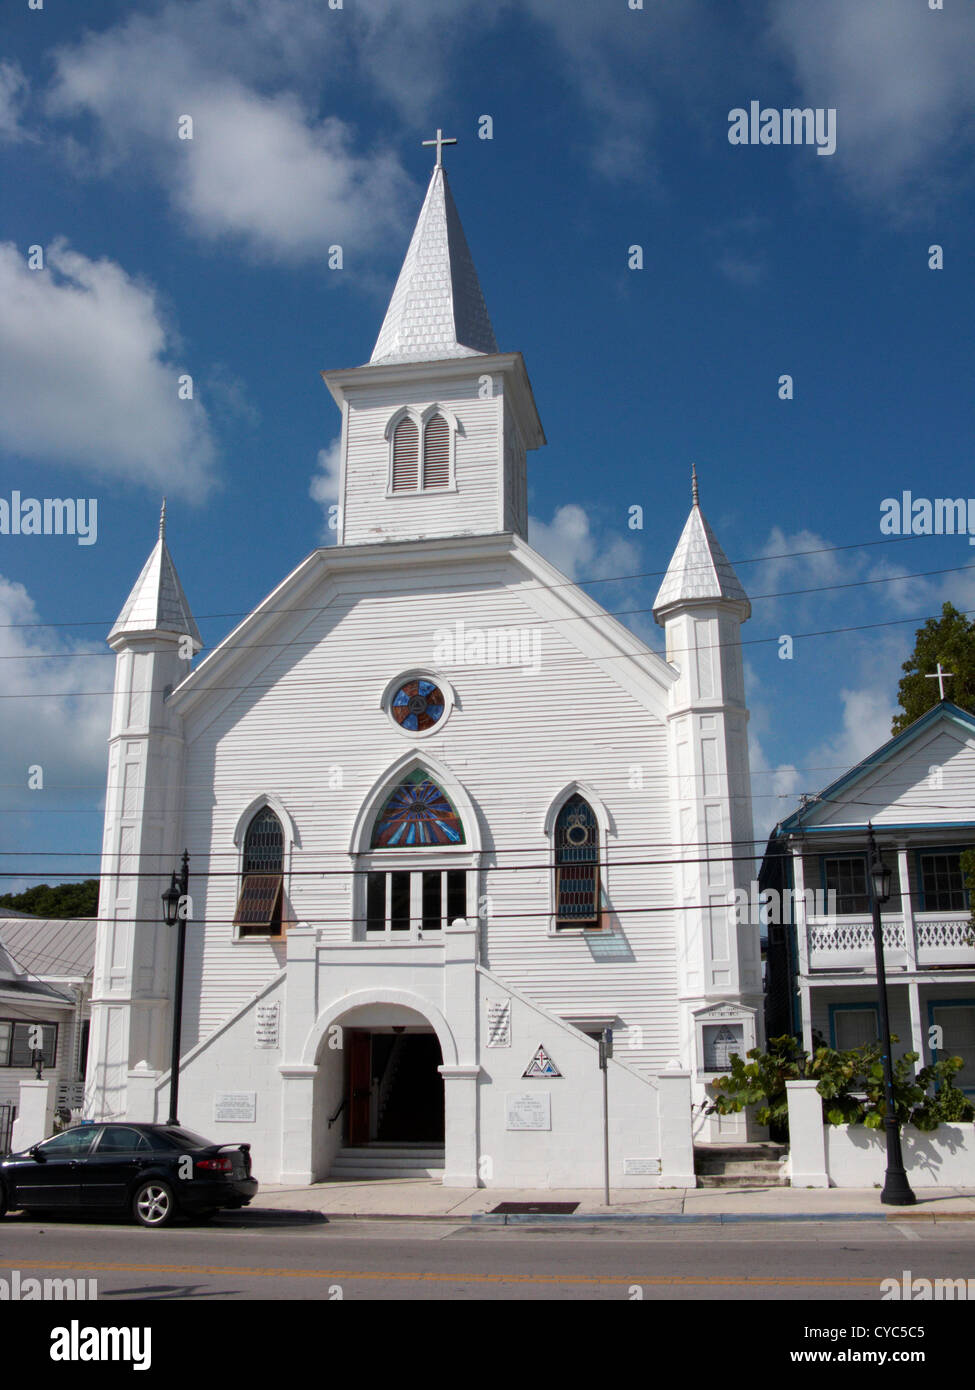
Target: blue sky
{"points": [[610, 129]]}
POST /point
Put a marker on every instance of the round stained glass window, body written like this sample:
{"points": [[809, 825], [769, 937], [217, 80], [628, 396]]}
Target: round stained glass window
{"points": [[417, 705]]}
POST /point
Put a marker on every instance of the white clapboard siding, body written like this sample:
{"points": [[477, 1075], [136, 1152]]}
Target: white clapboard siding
{"points": [[311, 709], [928, 781]]}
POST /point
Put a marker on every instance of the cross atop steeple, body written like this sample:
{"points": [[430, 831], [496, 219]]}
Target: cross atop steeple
{"points": [[440, 141], [940, 676]]}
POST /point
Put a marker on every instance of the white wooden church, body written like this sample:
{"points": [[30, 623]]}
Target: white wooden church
{"points": [[447, 819]]}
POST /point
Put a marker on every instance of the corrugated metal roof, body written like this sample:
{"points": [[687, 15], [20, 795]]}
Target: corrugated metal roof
{"points": [[437, 309], [699, 570], [50, 947], [157, 602]]}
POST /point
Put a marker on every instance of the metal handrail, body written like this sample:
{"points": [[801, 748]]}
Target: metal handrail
{"points": [[337, 1113]]}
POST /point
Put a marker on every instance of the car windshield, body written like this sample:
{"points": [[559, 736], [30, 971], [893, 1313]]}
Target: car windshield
{"points": [[71, 1141], [185, 1139]]}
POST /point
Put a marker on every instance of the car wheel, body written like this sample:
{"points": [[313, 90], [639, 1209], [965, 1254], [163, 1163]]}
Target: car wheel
{"points": [[153, 1203]]}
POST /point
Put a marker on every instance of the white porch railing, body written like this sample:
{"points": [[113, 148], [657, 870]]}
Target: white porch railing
{"points": [[931, 938]]}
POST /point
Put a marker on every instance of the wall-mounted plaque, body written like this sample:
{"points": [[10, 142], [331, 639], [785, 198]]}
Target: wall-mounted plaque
{"points": [[238, 1107], [532, 1111], [632, 1167], [499, 1022], [267, 1025]]}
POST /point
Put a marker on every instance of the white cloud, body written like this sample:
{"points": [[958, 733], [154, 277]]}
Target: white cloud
{"points": [[325, 484], [569, 543], [13, 95], [87, 381], [867, 715], [262, 167], [64, 736], [901, 79]]}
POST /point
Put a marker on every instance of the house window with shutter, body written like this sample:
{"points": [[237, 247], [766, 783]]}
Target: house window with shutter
{"points": [[577, 865], [436, 453], [262, 886], [406, 461]]}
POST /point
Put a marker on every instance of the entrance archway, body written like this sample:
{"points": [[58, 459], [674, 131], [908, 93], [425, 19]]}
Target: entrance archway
{"points": [[393, 1086]]}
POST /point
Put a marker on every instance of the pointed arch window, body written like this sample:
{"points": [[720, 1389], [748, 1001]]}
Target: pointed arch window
{"points": [[262, 877], [436, 453], [417, 812], [406, 460], [577, 865]]}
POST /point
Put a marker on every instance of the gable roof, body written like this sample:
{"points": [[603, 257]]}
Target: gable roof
{"points": [[437, 309], [562, 600], [51, 946], [804, 818]]}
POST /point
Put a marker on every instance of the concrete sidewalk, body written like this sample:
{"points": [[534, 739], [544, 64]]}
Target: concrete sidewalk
{"points": [[426, 1199]]}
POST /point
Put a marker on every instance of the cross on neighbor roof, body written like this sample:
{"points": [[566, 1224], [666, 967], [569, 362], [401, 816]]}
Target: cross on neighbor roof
{"points": [[939, 676], [440, 141]]}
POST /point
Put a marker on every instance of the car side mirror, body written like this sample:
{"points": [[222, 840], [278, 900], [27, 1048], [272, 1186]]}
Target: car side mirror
{"points": [[37, 1152]]}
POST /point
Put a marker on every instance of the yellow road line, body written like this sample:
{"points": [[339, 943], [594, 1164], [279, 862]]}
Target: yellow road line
{"points": [[782, 1281]]}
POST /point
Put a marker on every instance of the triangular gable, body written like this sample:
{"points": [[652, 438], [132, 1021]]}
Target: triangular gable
{"points": [[925, 775]]}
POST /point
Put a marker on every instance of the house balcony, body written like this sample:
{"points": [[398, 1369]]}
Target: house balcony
{"points": [[924, 941]]}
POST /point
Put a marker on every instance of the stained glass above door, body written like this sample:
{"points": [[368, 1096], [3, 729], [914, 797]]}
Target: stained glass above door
{"points": [[417, 813]]}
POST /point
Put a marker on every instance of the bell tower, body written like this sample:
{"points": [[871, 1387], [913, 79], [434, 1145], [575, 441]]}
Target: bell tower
{"points": [[436, 426]]}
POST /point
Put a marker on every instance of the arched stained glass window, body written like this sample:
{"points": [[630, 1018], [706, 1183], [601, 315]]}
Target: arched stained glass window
{"points": [[259, 907], [417, 813], [577, 864]]}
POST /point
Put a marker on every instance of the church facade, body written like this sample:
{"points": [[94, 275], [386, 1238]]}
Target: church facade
{"points": [[448, 820]]}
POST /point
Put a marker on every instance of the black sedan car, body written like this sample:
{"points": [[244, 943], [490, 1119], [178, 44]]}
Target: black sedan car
{"points": [[152, 1171]]}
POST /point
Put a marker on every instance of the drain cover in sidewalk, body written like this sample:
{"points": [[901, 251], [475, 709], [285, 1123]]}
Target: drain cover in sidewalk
{"points": [[534, 1208]]}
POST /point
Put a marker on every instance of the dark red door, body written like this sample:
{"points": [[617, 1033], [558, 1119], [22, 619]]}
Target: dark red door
{"points": [[360, 1077]]}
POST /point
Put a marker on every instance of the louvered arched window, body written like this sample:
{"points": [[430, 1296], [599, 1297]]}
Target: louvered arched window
{"points": [[436, 453], [406, 461], [577, 865], [262, 877]]}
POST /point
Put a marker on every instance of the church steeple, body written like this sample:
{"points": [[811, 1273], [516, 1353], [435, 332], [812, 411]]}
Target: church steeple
{"points": [[699, 571], [437, 309], [157, 603], [438, 423]]}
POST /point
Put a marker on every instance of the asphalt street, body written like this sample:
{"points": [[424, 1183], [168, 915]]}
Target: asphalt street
{"points": [[260, 1256]]}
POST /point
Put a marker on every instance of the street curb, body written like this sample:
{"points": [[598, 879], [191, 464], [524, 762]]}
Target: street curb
{"points": [[609, 1218], [670, 1219]]}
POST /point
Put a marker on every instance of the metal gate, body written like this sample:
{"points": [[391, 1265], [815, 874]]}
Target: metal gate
{"points": [[8, 1113]]}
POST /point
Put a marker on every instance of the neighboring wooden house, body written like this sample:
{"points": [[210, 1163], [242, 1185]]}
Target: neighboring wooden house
{"points": [[918, 790], [45, 980]]}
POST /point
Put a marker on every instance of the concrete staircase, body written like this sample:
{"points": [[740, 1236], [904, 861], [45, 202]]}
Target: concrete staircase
{"points": [[740, 1165], [387, 1160]]}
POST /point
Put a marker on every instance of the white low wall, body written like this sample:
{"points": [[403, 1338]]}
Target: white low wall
{"points": [[823, 1155], [944, 1157]]}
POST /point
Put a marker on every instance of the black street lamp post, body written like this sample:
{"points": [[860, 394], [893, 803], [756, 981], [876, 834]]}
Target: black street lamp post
{"points": [[897, 1190], [175, 908]]}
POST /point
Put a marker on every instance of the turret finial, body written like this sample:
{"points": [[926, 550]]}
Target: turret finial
{"points": [[694, 498], [162, 521]]}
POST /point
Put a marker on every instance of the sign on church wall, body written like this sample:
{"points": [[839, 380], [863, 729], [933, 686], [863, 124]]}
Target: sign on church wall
{"points": [[532, 1111], [238, 1107], [267, 1020], [499, 1022]]}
